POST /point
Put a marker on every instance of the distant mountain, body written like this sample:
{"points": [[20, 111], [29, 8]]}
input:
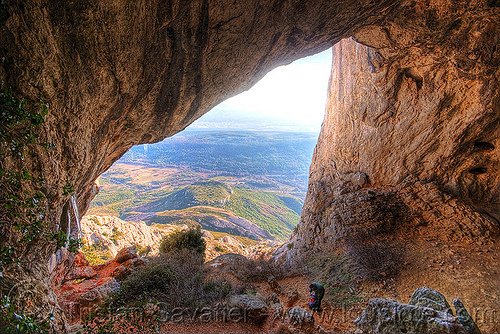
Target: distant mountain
{"points": [[224, 119], [243, 183], [219, 207], [207, 193], [281, 157]]}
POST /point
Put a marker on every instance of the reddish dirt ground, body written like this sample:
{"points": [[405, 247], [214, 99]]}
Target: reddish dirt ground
{"points": [[470, 272], [466, 271]]}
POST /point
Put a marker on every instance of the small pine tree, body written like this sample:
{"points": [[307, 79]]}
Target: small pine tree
{"points": [[190, 239]]}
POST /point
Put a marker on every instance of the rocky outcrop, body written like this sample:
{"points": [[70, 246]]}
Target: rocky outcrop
{"points": [[409, 148], [428, 312], [300, 320], [426, 297], [226, 244], [223, 267], [254, 307], [83, 286], [401, 145], [114, 234]]}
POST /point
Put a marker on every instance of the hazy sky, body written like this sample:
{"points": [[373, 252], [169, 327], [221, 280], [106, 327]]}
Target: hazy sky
{"points": [[292, 94]]}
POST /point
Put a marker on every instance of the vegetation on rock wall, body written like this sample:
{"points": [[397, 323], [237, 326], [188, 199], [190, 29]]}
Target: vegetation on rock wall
{"points": [[23, 202]]}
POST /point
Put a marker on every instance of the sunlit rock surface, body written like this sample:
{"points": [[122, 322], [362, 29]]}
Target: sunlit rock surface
{"points": [[409, 148], [113, 234]]}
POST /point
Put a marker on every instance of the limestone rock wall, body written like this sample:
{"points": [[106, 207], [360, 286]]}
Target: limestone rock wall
{"points": [[406, 143], [115, 234], [408, 157], [411, 134]]}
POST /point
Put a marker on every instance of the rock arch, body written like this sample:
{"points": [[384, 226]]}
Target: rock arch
{"points": [[119, 73]]}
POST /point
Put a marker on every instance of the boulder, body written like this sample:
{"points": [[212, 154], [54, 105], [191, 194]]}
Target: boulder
{"points": [[81, 272], [389, 316], [428, 312], [126, 254], [426, 297], [96, 294], [276, 311], [78, 298], [228, 260], [254, 307], [464, 317], [300, 319]]}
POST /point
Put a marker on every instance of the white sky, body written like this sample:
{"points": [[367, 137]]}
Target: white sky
{"points": [[294, 93]]}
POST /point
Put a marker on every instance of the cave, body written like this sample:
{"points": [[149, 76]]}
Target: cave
{"points": [[412, 84]]}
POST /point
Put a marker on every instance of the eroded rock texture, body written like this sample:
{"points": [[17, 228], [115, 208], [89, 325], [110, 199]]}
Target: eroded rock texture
{"points": [[404, 143], [411, 134], [410, 142]]}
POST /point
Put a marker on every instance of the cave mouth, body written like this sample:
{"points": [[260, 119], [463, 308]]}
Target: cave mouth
{"points": [[254, 148], [107, 140]]}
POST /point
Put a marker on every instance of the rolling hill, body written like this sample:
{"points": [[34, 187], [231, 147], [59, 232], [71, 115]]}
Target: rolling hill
{"points": [[245, 184], [219, 207]]}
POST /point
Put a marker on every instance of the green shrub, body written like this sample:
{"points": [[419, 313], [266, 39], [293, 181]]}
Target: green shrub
{"points": [[115, 236], [190, 239], [219, 249], [174, 280], [95, 221], [170, 280], [155, 279], [96, 253], [143, 250]]}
